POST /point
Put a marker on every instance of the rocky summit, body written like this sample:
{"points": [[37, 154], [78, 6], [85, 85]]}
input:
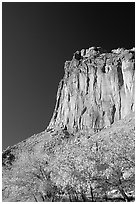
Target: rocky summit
{"points": [[87, 151]]}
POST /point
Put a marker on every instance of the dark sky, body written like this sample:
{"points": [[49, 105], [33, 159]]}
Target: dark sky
{"points": [[37, 39]]}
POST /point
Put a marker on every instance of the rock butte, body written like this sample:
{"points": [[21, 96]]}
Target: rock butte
{"points": [[97, 90]]}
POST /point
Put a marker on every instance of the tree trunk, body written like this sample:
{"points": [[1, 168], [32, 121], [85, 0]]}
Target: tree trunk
{"points": [[53, 198], [106, 198], [123, 194], [70, 197], [91, 192], [76, 197], [122, 191], [83, 197], [35, 198]]}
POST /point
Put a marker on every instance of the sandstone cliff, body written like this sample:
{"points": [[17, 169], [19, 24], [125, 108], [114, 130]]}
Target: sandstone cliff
{"points": [[97, 90], [87, 151]]}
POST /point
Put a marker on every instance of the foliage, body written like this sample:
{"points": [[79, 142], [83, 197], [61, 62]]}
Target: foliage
{"points": [[79, 168]]}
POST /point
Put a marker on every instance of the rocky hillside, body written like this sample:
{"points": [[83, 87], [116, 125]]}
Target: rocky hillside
{"points": [[87, 151]]}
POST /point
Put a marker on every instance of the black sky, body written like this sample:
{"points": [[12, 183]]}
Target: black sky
{"points": [[37, 39]]}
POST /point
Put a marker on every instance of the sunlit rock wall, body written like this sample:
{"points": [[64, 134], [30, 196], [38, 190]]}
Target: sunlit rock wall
{"points": [[97, 90]]}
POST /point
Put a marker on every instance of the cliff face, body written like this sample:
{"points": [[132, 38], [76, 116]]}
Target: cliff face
{"points": [[72, 160], [97, 90]]}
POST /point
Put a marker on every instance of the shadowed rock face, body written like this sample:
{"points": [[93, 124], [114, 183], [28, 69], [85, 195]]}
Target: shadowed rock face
{"points": [[97, 90]]}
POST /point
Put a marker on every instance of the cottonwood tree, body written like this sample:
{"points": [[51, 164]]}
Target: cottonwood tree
{"points": [[116, 164]]}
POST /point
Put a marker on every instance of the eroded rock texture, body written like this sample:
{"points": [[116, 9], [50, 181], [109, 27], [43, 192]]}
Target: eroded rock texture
{"points": [[97, 90]]}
